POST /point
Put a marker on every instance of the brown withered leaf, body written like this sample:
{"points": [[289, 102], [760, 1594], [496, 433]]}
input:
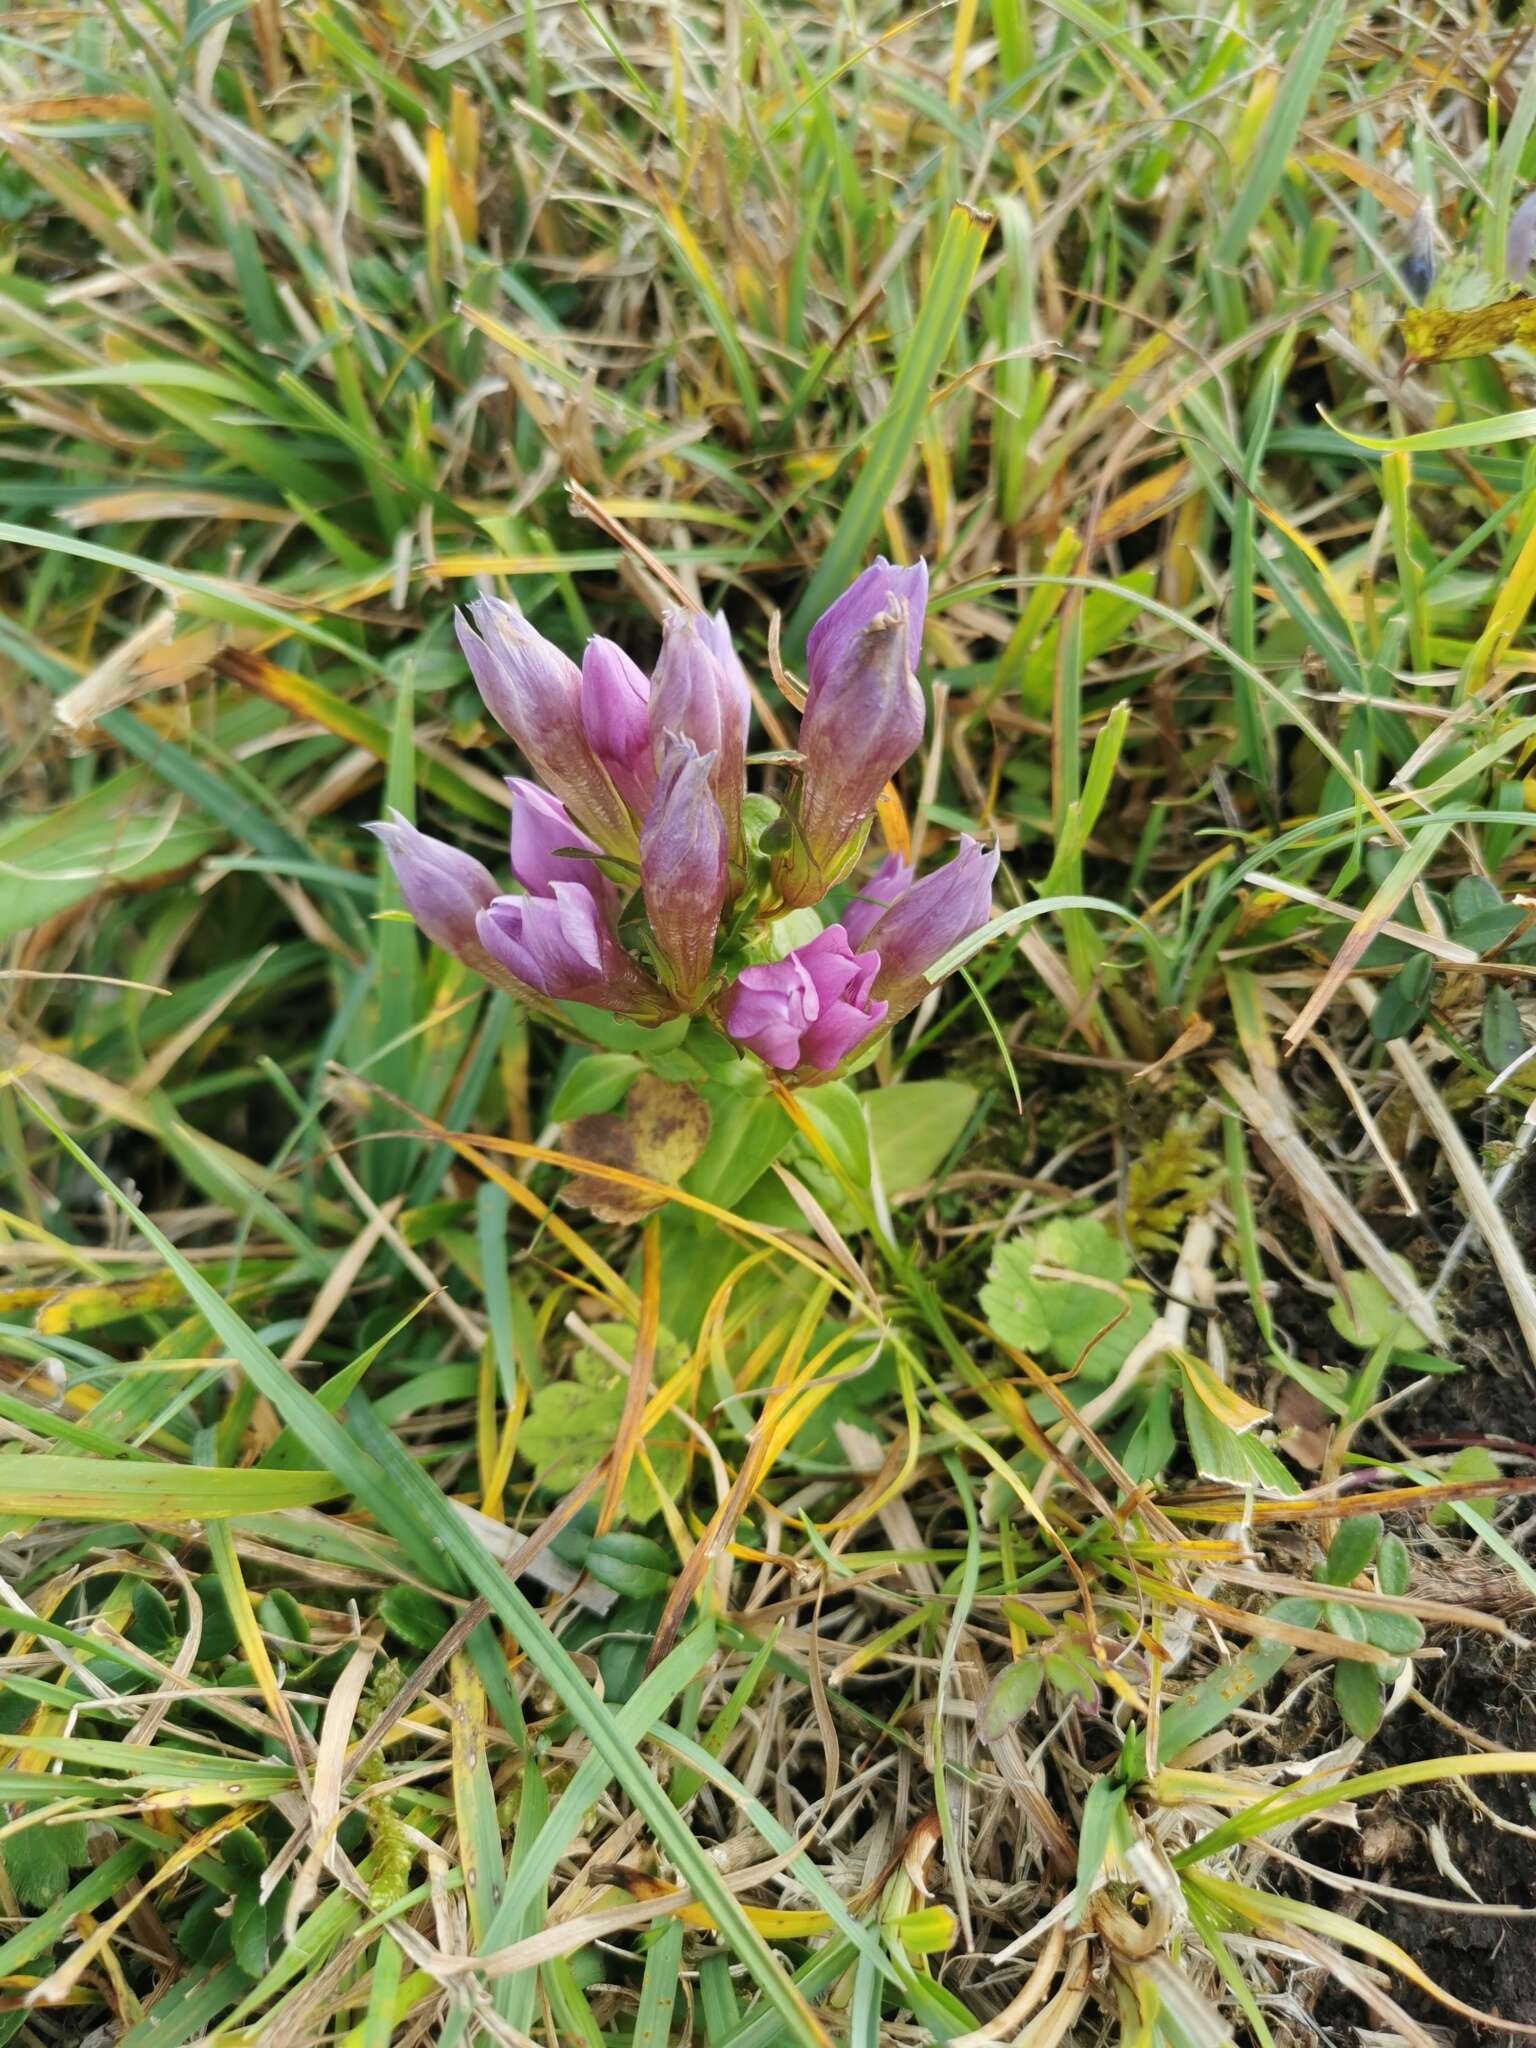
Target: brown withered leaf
{"points": [[664, 1128], [1303, 1425], [1435, 335]]}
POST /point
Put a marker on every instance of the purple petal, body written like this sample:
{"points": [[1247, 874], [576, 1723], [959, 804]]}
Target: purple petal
{"points": [[500, 931], [615, 711], [863, 721], [706, 700], [809, 1009], [533, 691], [544, 839], [1520, 242], [683, 864], [890, 881], [837, 1031], [443, 889], [935, 914], [830, 641]]}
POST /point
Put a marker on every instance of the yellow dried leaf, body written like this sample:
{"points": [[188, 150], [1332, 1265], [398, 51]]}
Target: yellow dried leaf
{"points": [[1399, 198], [1144, 502], [82, 1308], [1435, 335], [1227, 1407]]}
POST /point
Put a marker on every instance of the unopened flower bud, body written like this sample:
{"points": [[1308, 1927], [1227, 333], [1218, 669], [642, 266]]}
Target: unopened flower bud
{"points": [[561, 945], [706, 700], [615, 713], [683, 869], [926, 920], [533, 691], [863, 718], [443, 889]]}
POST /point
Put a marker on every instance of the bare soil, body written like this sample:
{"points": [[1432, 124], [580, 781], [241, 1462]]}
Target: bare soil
{"points": [[1487, 1686]]}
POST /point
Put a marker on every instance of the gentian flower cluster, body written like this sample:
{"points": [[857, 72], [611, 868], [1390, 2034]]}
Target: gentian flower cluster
{"points": [[652, 884]]}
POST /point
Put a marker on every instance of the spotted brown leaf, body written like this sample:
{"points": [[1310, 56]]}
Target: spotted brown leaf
{"points": [[663, 1130]]}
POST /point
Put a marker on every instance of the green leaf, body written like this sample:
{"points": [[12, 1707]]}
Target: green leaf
{"points": [[1266, 167], [1404, 1002], [1344, 1619], [121, 833], [747, 1132], [242, 1850], [838, 1114], [593, 1084], [1089, 1327], [115, 1490], [1502, 1033], [154, 1624], [1009, 1697], [658, 1988], [1152, 1443], [1474, 1462], [1211, 1699], [630, 1563], [413, 1494], [1101, 1814], [1394, 1566], [1483, 433], [248, 1932], [1400, 1633], [1365, 1315], [38, 1858], [899, 423], [1106, 617], [281, 1615], [1353, 1546], [41, 1933], [1357, 1689], [1480, 918], [913, 1128], [1010, 1300], [570, 1423], [1069, 1675], [1230, 1456], [415, 1617]]}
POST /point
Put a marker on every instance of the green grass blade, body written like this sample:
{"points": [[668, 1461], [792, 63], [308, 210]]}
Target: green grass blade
{"points": [[893, 441]]}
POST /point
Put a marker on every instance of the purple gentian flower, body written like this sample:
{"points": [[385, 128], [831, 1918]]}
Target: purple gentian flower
{"points": [[444, 890], [810, 1009], [533, 691], [715, 628], [545, 844], [926, 919], [561, 945], [695, 693], [890, 881], [615, 713], [683, 869], [863, 718], [832, 642]]}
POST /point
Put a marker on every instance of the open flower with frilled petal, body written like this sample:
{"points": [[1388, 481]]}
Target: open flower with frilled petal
{"points": [[810, 1009]]}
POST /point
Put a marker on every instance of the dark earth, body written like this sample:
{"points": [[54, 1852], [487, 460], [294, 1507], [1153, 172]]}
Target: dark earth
{"points": [[1488, 1685]]}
